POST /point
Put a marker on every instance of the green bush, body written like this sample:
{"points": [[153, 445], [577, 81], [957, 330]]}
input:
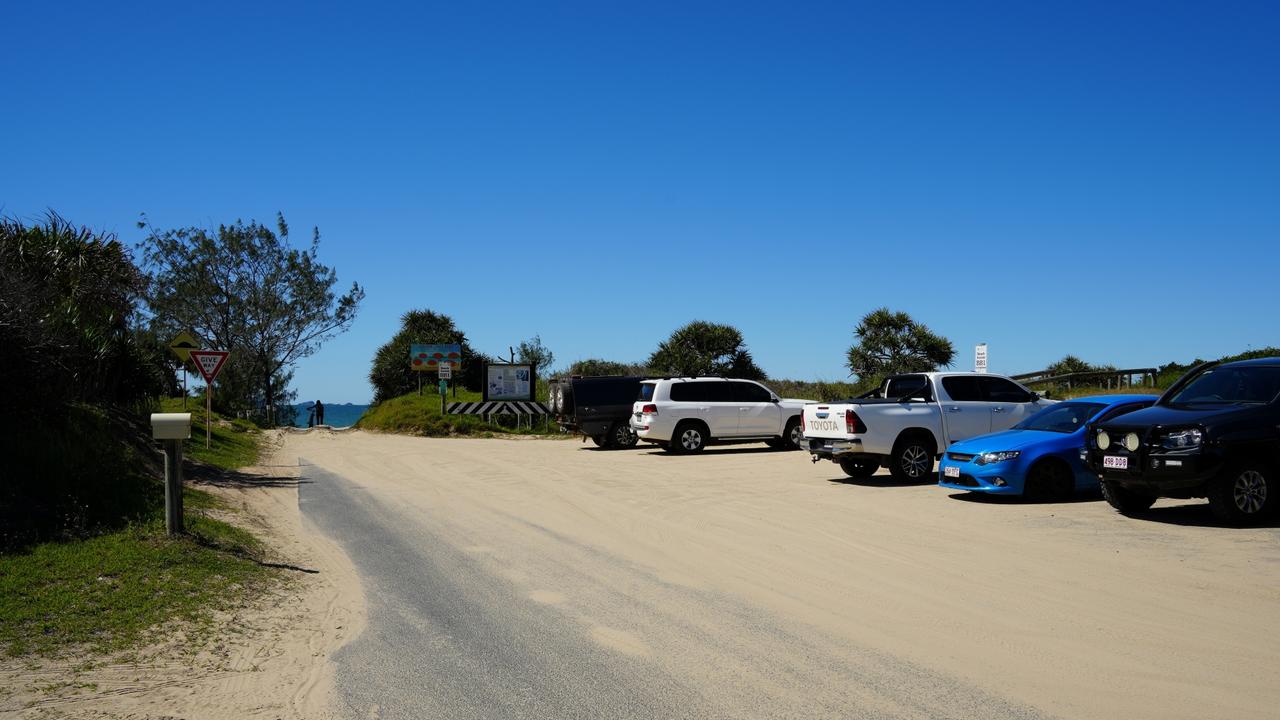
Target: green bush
{"points": [[72, 475]]}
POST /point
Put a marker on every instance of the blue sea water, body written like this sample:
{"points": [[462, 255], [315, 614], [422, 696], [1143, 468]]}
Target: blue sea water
{"points": [[334, 414]]}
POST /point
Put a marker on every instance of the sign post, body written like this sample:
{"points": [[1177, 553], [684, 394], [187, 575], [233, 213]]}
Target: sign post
{"points": [[446, 374], [210, 363], [425, 358], [182, 347], [980, 358]]}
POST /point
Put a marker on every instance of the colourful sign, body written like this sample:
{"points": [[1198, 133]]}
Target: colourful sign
{"points": [[209, 362], [429, 358]]}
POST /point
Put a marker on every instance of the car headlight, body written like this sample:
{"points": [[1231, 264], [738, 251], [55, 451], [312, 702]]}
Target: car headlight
{"points": [[1104, 440], [1183, 439], [1132, 442], [994, 457]]}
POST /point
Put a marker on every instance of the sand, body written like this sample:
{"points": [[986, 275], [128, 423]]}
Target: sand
{"points": [[1067, 609], [267, 660]]}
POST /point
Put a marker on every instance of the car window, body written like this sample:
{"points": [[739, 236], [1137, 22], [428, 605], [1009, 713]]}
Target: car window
{"points": [[1001, 390], [646, 392], [962, 388], [700, 392], [1064, 417], [1250, 384], [908, 386], [1126, 408], [720, 392], [750, 392]]}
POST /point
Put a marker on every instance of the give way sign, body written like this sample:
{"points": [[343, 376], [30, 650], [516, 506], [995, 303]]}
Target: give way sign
{"points": [[209, 362]]}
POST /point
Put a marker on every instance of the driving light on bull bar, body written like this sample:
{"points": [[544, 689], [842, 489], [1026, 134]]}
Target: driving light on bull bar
{"points": [[1104, 440], [1131, 442], [994, 457]]}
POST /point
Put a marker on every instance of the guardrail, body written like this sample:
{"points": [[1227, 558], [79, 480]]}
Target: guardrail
{"points": [[1103, 378]]}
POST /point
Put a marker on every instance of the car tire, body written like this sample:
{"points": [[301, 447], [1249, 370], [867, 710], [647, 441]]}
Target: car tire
{"points": [[1127, 502], [792, 434], [912, 458], [621, 436], [1244, 494], [689, 437], [860, 468], [1049, 481]]}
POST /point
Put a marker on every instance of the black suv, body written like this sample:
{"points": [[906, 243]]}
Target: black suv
{"points": [[597, 407], [1214, 434]]}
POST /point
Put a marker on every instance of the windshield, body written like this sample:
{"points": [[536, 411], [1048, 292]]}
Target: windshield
{"points": [[1256, 384], [1061, 418]]}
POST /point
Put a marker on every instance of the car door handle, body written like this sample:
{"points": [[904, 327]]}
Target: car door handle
{"points": [[953, 409], [997, 409]]}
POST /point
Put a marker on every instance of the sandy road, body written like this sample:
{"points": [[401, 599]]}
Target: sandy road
{"points": [[525, 578]]}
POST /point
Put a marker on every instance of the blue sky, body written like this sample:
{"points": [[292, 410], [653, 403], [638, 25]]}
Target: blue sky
{"points": [[1049, 178]]}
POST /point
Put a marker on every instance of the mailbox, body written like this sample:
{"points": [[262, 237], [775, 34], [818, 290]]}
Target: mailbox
{"points": [[170, 426]]}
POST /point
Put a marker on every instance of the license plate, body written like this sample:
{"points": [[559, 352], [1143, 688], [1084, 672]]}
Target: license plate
{"points": [[951, 471], [1115, 461]]}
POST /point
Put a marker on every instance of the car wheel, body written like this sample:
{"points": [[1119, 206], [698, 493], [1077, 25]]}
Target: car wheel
{"points": [[1126, 501], [621, 436], [912, 458], [859, 467], [792, 435], [689, 437], [1048, 481], [1243, 494]]}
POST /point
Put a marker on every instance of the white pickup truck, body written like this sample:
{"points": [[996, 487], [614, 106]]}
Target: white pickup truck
{"points": [[911, 418]]}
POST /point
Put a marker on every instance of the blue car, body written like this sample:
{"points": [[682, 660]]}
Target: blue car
{"points": [[1038, 458]]}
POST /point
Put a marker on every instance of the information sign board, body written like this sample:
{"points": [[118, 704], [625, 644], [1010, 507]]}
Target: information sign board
{"points": [[509, 382]]}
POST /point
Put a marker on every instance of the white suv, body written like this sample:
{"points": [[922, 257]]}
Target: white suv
{"points": [[686, 414]]}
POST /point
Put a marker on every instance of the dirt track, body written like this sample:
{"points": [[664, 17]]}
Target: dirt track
{"points": [[757, 584]]}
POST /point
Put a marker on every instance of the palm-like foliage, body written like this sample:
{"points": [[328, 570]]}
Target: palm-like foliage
{"points": [[891, 342]]}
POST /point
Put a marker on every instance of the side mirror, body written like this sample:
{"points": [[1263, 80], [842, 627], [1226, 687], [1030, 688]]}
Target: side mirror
{"points": [[775, 399]]}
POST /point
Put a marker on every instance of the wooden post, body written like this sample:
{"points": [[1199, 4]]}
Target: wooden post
{"points": [[173, 486]]}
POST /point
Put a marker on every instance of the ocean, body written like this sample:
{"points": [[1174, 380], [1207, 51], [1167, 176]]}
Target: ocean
{"points": [[334, 414]]}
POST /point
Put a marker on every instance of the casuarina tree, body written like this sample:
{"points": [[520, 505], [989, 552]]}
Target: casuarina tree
{"points": [[889, 343], [246, 289], [703, 348]]}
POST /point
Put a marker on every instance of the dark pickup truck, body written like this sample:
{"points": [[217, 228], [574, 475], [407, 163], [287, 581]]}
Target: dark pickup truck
{"points": [[1214, 434], [597, 407]]}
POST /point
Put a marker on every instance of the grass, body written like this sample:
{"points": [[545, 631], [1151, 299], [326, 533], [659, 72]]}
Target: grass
{"points": [[234, 443], [115, 591], [420, 415]]}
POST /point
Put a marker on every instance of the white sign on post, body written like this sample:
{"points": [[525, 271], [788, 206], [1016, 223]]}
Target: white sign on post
{"points": [[446, 371], [980, 358]]}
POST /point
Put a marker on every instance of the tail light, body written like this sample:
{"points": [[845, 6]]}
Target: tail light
{"points": [[649, 410], [853, 424]]}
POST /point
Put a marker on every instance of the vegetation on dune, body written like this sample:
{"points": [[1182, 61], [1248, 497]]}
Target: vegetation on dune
{"points": [[415, 414], [391, 374]]}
